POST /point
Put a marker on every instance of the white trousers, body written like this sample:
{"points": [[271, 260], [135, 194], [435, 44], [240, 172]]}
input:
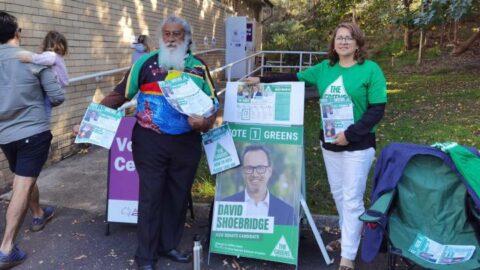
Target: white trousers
{"points": [[347, 173]]}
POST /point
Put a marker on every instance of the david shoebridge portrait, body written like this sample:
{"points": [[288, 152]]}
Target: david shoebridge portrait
{"points": [[257, 171]]}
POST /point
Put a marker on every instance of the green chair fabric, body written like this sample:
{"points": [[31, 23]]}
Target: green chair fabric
{"points": [[432, 201]]}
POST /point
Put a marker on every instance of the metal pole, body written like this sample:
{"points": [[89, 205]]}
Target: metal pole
{"points": [[261, 64], [314, 228], [229, 74], [301, 61], [281, 62]]}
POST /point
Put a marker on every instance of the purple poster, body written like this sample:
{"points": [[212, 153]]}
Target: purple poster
{"points": [[123, 179], [249, 32]]}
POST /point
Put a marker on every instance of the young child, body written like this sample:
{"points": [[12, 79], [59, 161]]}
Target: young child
{"points": [[140, 47], [54, 47]]}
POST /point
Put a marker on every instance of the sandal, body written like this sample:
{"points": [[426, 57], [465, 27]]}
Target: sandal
{"points": [[346, 264], [334, 246]]}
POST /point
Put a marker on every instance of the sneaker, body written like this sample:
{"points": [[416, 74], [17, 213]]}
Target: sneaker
{"points": [[334, 246], [346, 264], [15, 257], [39, 223]]}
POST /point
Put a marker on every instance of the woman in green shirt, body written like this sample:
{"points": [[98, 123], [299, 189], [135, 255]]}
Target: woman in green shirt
{"points": [[349, 82]]}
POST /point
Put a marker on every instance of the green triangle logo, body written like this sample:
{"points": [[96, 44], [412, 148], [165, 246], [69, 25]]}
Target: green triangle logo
{"points": [[282, 250], [220, 153], [268, 89]]}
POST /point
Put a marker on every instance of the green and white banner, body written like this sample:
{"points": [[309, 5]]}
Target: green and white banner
{"points": [[262, 134], [256, 210]]}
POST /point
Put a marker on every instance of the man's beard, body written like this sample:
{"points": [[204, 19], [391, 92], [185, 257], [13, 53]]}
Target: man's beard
{"points": [[172, 57]]}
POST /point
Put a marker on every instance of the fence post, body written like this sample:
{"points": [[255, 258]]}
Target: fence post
{"points": [[301, 61], [261, 64], [281, 62]]}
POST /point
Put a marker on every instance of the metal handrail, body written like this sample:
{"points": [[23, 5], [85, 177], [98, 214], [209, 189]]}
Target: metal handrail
{"points": [[300, 66], [260, 68], [99, 75], [227, 67]]}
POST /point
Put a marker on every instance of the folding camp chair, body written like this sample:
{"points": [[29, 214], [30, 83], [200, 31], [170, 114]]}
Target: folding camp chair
{"points": [[428, 197]]}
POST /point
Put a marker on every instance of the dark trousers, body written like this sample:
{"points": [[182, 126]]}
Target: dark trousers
{"points": [[166, 165]]}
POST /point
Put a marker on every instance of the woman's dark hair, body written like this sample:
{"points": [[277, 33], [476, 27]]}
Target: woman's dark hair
{"points": [[55, 42], [357, 35], [8, 27]]}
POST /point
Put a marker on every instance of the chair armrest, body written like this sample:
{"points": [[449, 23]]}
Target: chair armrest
{"points": [[379, 208]]}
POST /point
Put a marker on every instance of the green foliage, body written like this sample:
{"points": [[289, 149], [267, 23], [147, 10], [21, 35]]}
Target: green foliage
{"points": [[390, 48], [307, 24], [304, 25], [441, 11], [203, 188]]}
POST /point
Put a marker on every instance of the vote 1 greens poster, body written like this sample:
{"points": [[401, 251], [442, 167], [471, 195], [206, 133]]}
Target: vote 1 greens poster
{"points": [[256, 209]]}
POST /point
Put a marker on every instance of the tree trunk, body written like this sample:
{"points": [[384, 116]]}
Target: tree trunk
{"points": [[442, 35], [407, 38], [420, 47], [407, 32], [354, 12], [423, 38], [455, 32], [464, 46]]}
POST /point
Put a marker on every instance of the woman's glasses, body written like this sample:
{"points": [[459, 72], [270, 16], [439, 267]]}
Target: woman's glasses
{"points": [[347, 40]]}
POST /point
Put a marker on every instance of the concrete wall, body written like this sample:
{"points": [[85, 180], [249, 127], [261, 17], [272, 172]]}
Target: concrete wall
{"points": [[99, 33]]}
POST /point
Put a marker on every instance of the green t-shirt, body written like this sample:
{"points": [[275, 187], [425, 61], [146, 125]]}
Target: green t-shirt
{"points": [[364, 84]]}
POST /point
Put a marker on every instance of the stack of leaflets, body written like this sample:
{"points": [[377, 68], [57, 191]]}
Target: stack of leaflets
{"points": [[185, 96], [99, 125], [337, 116]]}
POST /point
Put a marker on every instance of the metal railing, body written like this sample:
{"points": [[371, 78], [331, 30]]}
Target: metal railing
{"points": [[301, 64], [251, 68], [267, 64], [99, 75]]}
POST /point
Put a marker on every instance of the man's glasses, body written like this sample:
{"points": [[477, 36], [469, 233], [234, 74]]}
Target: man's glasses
{"points": [[347, 40], [174, 34], [260, 169]]}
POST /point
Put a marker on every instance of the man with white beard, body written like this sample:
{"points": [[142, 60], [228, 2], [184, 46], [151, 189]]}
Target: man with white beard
{"points": [[166, 144]]}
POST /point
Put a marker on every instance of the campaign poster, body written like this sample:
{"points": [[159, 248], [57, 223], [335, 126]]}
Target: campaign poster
{"points": [[273, 103], [123, 181], [256, 209]]}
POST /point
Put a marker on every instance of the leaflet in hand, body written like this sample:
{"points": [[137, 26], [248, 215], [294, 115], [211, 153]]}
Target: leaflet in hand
{"points": [[220, 149], [337, 116], [185, 96], [434, 252], [99, 125]]}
